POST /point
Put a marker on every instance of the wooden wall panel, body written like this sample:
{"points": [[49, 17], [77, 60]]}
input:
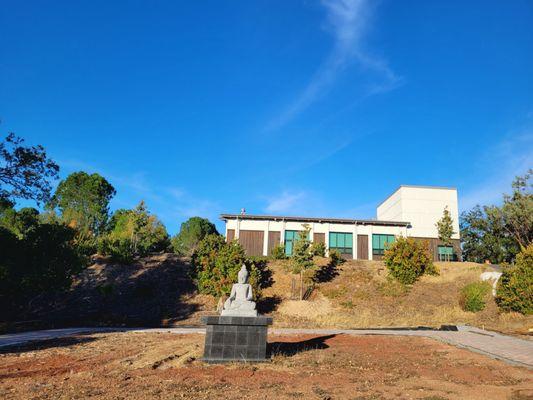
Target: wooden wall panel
{"points": [[273, 240], [252, 242], [434, 243], [319, 237], [362, 247], [231, 235]]}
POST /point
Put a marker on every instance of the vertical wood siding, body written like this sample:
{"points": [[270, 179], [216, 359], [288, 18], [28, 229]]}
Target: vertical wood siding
{"points": [[273, 240], [319, 237], [362, 247], [434, 244], [252, 242], [231, 235]]}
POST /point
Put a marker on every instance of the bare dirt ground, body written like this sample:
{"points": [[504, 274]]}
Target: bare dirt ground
{"points": [[166, 366]]}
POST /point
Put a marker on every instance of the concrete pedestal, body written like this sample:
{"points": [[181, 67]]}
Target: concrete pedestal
{"points": [[235, 338]]}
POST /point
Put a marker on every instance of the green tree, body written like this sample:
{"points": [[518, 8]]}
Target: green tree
{"points": [[517, 211], [83, 201], [445, 228], [515, 287], [302, 258], [19, 222], [133, 233], [44, 260], [191, 233], [499, 233], [25, 171], [408, 259], [217, 263]]}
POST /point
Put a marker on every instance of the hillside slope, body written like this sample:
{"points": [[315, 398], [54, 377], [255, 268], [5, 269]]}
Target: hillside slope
{"points": [[158, 291], [153, 291], [359, 295]]}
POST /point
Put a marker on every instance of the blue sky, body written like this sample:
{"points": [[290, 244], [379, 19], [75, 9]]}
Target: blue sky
{"points": [[283, 107]]}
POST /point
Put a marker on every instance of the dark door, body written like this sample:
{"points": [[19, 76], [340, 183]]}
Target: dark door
{"points": [[362, 247], [273, 240], [319, 237]]}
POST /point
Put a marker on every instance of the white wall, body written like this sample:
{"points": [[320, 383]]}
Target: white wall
{"points": [[422, 207], [326, 228]]}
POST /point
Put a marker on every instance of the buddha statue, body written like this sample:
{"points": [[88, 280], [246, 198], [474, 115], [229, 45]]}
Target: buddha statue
{"points": [[239, 303]]}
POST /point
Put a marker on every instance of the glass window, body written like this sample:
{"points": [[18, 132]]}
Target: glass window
{"points": [[290, 237], [446, 253], [342, 242], [379, 243]]}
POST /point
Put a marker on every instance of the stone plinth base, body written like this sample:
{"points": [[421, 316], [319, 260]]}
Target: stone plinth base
{"points": [[235, 338]]}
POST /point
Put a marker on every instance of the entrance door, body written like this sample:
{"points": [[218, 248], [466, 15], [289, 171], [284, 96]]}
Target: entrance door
{"points": [[362, 247]]}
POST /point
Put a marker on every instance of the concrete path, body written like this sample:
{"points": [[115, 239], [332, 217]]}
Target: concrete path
{"points": [[506, 348]]}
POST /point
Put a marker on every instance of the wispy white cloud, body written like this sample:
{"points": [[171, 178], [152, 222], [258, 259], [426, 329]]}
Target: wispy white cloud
{"points": [[509, 158], [286, 202], [347, 21]]}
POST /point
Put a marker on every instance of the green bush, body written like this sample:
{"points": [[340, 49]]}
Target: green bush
{"points": [[318, 249], [408, 259], [515, 288], [41, 262], [120, 249], [278, 252], [217, 263], [335, 257], [474, 295]]}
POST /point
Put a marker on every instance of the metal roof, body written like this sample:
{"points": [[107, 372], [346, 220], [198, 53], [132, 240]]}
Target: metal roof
{"points": [[225, 217]]}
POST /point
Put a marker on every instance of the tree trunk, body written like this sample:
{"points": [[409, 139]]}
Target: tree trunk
{"points": [[301, 285]]}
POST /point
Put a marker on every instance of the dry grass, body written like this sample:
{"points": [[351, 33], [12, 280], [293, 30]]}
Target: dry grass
{"points": [[167, 366], [362, 296]]}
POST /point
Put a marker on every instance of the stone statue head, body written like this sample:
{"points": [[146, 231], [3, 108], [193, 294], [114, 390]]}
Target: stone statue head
{"points": [[243, 275]]}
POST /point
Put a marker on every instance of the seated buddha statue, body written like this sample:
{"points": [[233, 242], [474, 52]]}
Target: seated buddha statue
{"points": [[239, 303]]}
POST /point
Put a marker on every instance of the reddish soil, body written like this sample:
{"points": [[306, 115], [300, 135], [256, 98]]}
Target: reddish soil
{"points": [[167, 366]]}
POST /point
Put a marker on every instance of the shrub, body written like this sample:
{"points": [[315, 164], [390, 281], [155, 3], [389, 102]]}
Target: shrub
{"points": [[120, 249], [301, 258], [43, 261], [408, 259], [278, 252], [217, 263], [515, 288], [335, 257], [318, 249], [473, 296]]}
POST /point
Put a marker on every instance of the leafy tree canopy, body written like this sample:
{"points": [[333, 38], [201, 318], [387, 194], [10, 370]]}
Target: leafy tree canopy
{"points": [[191, 233], [496, 233], [83, 201], [445, 227], [515, 287], [133, 233], [21, 222], [25, 170]]}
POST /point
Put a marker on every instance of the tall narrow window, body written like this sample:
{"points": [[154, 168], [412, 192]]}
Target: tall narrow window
{"points": [[290, 238], [379, 243]]}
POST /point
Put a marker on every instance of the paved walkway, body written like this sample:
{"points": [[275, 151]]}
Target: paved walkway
{"points": [[506, 348]]}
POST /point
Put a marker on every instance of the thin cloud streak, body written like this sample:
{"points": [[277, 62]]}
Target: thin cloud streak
{"points": [[348, 21], [285, 202]]}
